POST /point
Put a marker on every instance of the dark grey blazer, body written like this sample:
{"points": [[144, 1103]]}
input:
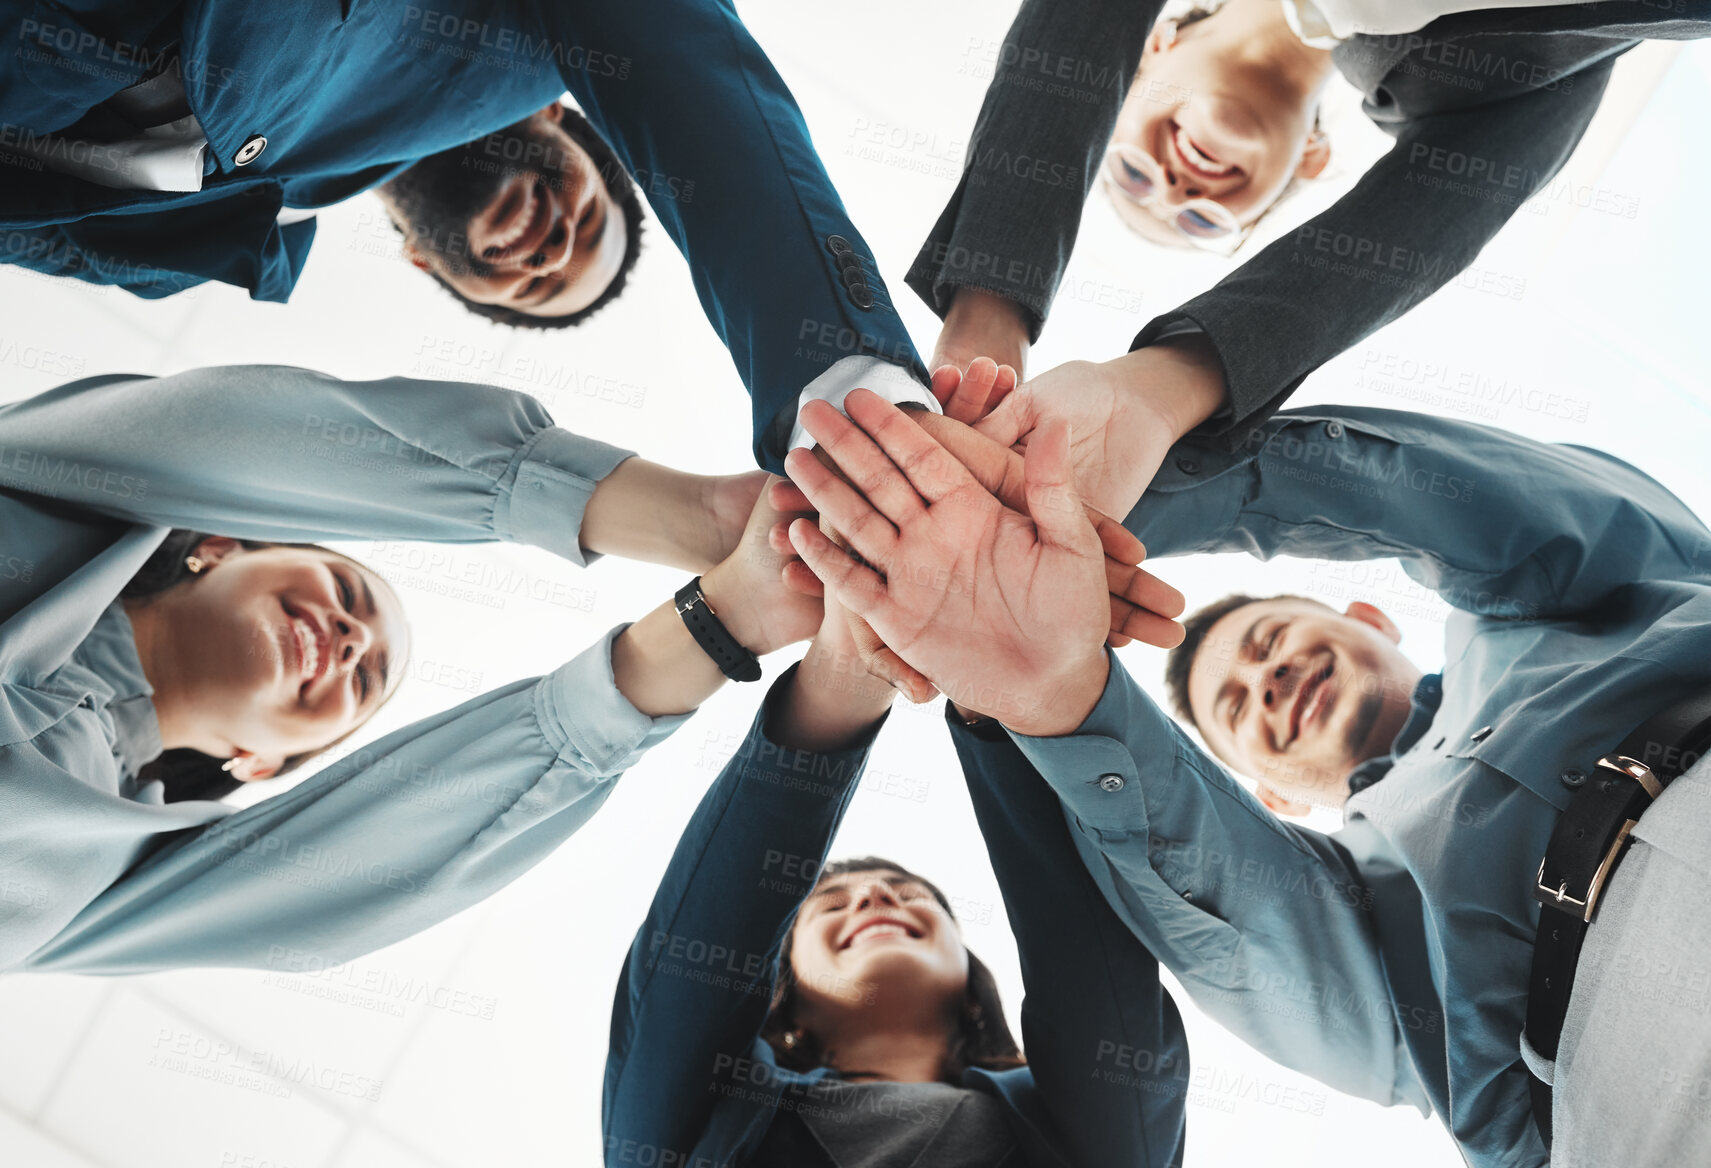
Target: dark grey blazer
{"points": [[1508, 90]]}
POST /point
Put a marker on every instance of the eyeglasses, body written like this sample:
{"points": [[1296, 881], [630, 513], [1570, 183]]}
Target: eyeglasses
{"points": [[1138, 177]]}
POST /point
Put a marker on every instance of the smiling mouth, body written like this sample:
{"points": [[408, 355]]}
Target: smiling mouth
{"points": [[529, 218], [1312, 700], [881, 927], [310, 646], [1196, 158]]}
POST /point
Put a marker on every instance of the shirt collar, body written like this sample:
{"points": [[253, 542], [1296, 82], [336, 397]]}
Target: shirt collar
{"points": [[110, 652], [1428, 695]]}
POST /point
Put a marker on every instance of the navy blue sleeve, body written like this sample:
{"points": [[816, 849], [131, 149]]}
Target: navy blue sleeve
{"points": [[696, 988]]}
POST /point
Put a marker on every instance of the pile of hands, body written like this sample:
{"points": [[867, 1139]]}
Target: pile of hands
{"points": [[979, 553]]}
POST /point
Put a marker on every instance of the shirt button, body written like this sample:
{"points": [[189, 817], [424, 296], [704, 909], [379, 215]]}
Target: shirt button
{"points": [[861, 297], [1481, 734], [1111, 783], [250, 150], [1333, 429], [1574, 778], [1187, 466], [838, 245]]}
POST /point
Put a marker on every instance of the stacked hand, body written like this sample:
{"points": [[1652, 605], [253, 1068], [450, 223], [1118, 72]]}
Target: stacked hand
{"points": [[1005, 610]]}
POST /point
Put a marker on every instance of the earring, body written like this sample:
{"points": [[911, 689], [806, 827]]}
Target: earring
{"points": [[791, 1040], [195, 564]]}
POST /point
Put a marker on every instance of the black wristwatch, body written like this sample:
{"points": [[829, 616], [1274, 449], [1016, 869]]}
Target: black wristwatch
{"points": [[734, 661]]}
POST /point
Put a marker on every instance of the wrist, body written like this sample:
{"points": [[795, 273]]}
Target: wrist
{"points": [[732, 603], [1180, 381], [1073, 696]]}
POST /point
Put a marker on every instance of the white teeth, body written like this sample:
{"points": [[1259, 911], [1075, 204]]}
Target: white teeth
{"points": [[520, 221], [1198, 160], [311, 648], [872, 931]]}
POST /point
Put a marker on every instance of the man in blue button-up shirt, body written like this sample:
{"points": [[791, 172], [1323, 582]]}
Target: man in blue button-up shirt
{"points": [[1389, 959], [293, 107]]}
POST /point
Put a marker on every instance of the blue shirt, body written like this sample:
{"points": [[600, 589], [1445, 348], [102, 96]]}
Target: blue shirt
{"points": [[1390, 959], [690, 1081], [348, 93], [97, 875]]}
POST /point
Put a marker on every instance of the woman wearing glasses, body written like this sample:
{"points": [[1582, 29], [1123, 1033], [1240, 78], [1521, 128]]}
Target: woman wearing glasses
{"points": [[1197, 127], [780, 1012], [155, 596]]}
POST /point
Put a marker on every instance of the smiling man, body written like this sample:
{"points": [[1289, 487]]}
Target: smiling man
{"points": [[536, 225], [1293, 693], [159, 144]]}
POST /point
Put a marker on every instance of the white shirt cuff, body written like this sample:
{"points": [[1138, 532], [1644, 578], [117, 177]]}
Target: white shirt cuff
{"points": [[889, 380]]}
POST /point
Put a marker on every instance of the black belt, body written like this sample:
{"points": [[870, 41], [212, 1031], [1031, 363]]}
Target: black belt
{"points": [[1590, 837]]}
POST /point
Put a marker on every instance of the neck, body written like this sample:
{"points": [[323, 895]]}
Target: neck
{"points": [[151, 627], [904, 1055], [1256, 31]]}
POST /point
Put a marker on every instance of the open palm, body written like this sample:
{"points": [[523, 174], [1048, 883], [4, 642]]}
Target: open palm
{"points": [[1006, 613]]}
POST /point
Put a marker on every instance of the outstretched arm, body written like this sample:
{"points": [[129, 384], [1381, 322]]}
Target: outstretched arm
{"points": [[1106, 1052], [679, 1026], [719, 147]]}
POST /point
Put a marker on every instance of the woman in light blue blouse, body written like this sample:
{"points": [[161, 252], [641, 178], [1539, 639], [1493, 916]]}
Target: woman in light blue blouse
{"points": [[126, 631]]}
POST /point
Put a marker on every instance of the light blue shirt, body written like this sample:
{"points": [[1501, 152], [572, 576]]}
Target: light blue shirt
{"points": [[1390, 959], [97, 875]]}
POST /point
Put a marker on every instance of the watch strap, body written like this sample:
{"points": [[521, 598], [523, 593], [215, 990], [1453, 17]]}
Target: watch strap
{"points": [[734, 661]]}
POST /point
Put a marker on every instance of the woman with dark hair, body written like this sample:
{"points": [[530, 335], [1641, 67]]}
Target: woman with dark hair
{"points": [[780, 1012], [144, 664]]}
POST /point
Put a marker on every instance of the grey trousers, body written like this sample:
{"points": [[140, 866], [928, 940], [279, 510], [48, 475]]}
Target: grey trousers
{"points": [[1633, 1072]]}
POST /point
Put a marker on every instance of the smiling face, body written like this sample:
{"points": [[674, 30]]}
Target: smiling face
{"points": [[1295, 696], [276, 651], [520, 219], [1225, 110], [871, 943]]}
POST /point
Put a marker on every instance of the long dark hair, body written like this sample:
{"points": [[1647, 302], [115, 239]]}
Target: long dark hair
{"points": [[982, 1037], [185, 773]]}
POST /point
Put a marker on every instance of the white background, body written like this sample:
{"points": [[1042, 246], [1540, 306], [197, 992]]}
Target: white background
{"points": [[1605, 310]]}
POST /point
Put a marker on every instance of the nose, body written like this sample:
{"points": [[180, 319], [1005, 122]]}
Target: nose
{"points": [[874, 893], [1274, 693], [351, 639]]}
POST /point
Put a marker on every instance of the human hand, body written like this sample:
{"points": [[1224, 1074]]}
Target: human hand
{"points": [[1124, 415], [981, 324], [747, 591], [1142, 607], [1004, 612]]}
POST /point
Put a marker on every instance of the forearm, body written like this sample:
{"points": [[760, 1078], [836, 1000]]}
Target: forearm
{"points": [[724, 892], [1461, 506], [759, 210], [1191, 861], [383, 843], [832, 703], [1402, 233], [1035, 153], [277, 453]]}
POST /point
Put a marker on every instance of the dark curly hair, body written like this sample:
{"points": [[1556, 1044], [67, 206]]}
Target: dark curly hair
{"points": [[618, 184], [982, 1037]]}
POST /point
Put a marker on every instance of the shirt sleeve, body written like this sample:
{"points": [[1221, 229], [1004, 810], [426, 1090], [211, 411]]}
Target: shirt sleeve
{"points": [[891, 382], [387, 841], [717, 144], [1236, 903], [1496, 524], [1403, 232], [275, 453], [1059, 79], [697, 986], [1106, 1049]]}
